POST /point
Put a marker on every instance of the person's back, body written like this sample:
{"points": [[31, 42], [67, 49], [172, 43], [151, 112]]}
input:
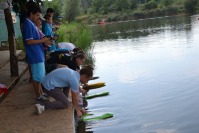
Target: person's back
{"points": [[62, 59], [62, 77], [73, 61]]}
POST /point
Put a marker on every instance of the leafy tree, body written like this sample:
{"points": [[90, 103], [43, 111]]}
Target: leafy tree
{"points": [[133, 4], [142, 1], [106, 6], [55, 4], [71, 9], [96, 5], [166, 2], [122, 5], [150, 5], [191, 6], [20, 5], [85, 4]]}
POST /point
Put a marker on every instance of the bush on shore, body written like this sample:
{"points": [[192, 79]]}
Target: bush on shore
{"points": [[78, 34]]}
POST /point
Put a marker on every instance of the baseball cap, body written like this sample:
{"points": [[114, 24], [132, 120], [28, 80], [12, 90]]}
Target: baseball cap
{"points": [[41, 17]]}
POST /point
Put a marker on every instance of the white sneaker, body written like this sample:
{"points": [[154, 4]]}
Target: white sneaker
{"points": [[39, 108]]}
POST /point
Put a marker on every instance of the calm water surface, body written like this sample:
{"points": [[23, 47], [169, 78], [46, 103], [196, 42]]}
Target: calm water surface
{"points": [[151, 69]]}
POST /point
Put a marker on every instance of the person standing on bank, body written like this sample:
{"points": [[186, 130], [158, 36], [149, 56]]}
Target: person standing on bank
{"points": [[34, 49], [48, 31], [53, 83]]}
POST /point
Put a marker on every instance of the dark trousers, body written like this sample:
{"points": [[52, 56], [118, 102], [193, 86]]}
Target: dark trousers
{"points": [[60, 96]]}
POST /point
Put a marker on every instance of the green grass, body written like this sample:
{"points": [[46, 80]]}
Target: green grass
{"points": [[78, 34]]}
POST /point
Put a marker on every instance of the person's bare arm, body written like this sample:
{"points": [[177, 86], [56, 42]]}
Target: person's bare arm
{"points": [[32, 41], [75, 103]]}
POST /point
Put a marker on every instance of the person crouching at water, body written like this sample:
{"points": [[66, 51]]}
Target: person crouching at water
{"points": [[53, 83], [73, 61]]}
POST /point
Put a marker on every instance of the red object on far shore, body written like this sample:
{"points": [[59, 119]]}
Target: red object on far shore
{"points": [[101, 22]]}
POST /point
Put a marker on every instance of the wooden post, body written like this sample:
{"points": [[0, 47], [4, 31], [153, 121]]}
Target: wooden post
{"points": [[12, 43]]}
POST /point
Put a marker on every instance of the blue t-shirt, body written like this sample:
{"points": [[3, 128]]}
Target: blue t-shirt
{"points": [[62, 77], [34, 52], [48, 31]]}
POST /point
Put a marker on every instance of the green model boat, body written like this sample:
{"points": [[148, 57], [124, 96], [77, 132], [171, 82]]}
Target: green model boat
{"points": [[97, 95], [102, 117]]}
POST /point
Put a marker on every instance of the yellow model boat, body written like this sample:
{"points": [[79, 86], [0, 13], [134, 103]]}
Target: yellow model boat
{"points": [[94, 86]]}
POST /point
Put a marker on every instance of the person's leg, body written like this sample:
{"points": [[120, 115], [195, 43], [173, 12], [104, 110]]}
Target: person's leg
{"points": [[36, 87], [61, 100], [38, 73], [29, 69], [66, 91]]}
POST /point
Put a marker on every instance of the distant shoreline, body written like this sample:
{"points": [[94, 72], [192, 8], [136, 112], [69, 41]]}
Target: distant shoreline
{"points": [[88, 19], [142, 18]]}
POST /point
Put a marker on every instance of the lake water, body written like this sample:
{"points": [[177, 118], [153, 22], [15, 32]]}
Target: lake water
{"points": [[151, 70]]}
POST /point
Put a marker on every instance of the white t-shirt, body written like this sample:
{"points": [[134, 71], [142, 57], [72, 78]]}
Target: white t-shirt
{"points": [[66, 45]]}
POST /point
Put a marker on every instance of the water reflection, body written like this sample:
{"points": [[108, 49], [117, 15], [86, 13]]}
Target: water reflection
{"points": [[151, 70], [140, 28]]}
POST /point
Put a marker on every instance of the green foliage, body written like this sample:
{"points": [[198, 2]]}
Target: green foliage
{"points": [[122, 5], [139, 14], [89, 58], [117, 17], [113, 18], [191, 6], [178, 2], [84, 37], [71, 9], [20, 45], [55, 4], [115, 6], [124, 16], [106, 6], [83, 18], [96, 5], [166, 2], [133, 4], [78, 34], [150, 5]]}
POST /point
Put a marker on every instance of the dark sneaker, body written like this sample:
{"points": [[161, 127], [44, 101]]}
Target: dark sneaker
{"points": [[45, 95], [41, 99], [39, 108]]}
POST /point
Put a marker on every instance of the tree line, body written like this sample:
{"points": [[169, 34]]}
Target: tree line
{"points": [[110, 6], [70, 9]]}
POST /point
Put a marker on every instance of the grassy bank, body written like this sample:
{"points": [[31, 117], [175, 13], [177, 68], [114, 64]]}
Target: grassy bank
{"points": [[78, 34]]}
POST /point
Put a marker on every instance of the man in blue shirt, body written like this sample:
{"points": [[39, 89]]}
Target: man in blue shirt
{"points": [[65, 77], [34, 49]]}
